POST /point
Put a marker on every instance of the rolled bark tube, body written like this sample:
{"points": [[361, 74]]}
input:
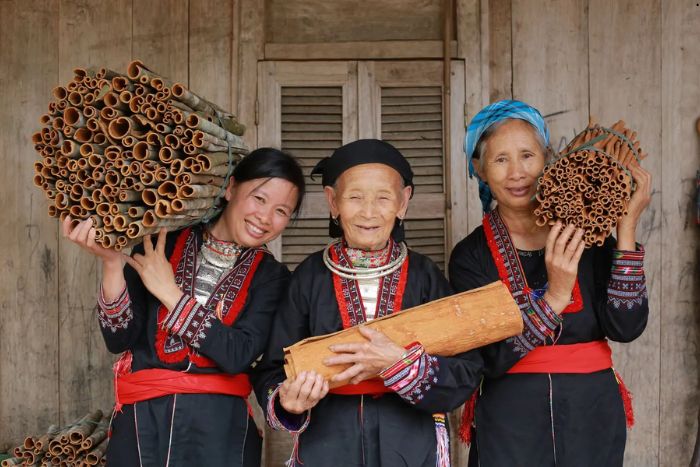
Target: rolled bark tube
{"points": [[61, 105], [110, 113], [148, 178], [135, 104], [39, 180], [62, 216], [172, 141], [163, 128], [111, 99], [199, 179], [102, 209], [155, 139], [61, 201], [109, 240], [162, 174], [96, 160], [189, 149], [136, 212], [135, 168], [112, 177], [112, 152], [77, 212], [80, 164], [196, 191], [60, 93], [153, 115], [37, 137], [120, 223], [117, 208], [162, 208], [88, 99], [214, 158], [122, 83], [92, 124], [164, 95], [128, 181], [98, 174], [143, 151], [87, 203], [129, 141], [149, 196], [137, 230], [83, 135], [168, 189], [75, 99], [179, 205], [59, 122], [122, 126], [195, 121], [70, 149], [193, 101], [219, 170]]}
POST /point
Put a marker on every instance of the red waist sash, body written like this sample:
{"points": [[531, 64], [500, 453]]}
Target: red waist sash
{"points": [[373, 387], [148, 384], [572, 358]]}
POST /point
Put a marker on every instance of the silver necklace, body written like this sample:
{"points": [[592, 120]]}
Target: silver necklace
{"points": [[219, 253], [365, 273]]}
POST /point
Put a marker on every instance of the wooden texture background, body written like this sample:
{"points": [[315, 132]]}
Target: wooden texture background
{"points": [[633, 59]]}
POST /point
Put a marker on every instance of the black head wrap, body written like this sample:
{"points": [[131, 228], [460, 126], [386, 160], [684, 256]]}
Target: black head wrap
{"points": [[363, 151]]}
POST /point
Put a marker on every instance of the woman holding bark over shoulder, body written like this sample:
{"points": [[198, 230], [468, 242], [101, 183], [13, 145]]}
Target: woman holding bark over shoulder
{"points": [[191, 314], [560, 403]]}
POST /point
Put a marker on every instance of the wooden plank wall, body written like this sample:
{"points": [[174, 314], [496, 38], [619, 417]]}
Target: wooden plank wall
{"points": [[637, 60], [572, 58]]}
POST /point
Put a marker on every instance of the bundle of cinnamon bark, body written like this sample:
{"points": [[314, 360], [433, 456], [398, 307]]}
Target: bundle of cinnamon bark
{"points": [[134, 152], [81, 443], [589, 184]]}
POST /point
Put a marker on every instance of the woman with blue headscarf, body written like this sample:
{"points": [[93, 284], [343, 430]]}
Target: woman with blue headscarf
{"points": [[560, 403]]}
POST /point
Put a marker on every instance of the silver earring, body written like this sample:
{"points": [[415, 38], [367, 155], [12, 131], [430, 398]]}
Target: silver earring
{"points": [[400, 221], [335, 220]]}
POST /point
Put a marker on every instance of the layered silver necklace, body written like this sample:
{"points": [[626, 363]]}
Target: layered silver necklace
{"points": [[364, 273]]}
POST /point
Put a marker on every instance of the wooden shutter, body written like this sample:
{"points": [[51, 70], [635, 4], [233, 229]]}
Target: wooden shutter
{"points": [[308, 109], [402, 103]]}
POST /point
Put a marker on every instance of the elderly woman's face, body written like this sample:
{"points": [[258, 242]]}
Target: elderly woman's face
{"points": [[368, 198], [513, 160]]}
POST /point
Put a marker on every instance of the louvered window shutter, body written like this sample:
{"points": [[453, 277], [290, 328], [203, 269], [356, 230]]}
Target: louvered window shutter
{"points": [[308, 110]]}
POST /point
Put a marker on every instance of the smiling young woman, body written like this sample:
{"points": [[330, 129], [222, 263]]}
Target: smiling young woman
{"points": [[190, 315]]}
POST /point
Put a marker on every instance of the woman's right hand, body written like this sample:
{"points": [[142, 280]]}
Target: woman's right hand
{"points": [[562, 253], [303, 393], [83, 235]]}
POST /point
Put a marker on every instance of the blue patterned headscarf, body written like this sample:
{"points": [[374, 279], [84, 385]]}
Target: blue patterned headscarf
{"points": [[489, 115]]}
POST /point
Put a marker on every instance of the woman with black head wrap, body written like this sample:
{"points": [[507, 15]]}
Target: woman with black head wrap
{"points": [[368, 272]]}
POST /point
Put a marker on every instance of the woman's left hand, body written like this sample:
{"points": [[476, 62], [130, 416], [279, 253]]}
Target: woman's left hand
{"points": [[156, 272], [367, 358], [627, 225]]}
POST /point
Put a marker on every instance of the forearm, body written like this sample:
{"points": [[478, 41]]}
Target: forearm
{"points": [[113, 281]]}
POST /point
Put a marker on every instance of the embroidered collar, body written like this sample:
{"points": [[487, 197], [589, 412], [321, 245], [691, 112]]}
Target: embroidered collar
{"points": [[510, 270], [368, 259], [347, 290]]}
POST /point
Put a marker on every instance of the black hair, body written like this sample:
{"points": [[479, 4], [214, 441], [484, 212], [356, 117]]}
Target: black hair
{"points": [[272, 163]]}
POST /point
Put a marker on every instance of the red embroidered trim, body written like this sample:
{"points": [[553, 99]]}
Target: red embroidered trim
{"points": [[340, 296], [161, 334], [233, 312], [576, 304]]}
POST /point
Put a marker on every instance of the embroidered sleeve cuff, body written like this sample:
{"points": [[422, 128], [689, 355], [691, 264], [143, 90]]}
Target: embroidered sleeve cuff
{"points": [[413, 375], [189, 320], [627, 286], [280, 419], [116, 314], [541, 323]]}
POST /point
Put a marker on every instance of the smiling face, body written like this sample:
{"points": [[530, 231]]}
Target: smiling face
{"points": [[513, 160], [257, 211], [368, 198]]}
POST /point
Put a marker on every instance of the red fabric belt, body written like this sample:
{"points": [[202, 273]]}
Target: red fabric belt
{"points": [[148, 384], [572, 358], [373, 387]]}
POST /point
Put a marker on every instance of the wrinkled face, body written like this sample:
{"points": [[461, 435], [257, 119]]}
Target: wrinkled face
{"points": [[513, 160], [257, 211], [368, 198]]}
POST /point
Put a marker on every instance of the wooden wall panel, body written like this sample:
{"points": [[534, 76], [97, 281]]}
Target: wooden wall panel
{"points": [[625, 82], [550, 66], [29, 285], [210, 56], [680, 248], [500, 49], [160, 37], [96, 35], [300, 21]]}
